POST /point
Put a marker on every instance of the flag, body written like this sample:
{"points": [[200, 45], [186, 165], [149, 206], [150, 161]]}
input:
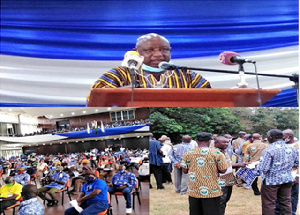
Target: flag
{"points": [[95, 126], [102, 127], [88, 128]]}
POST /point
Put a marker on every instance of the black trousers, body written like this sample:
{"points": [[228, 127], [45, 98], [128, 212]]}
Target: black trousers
{"points": [[166, 174], [204, 206], [157, 171], [6, 203], [254, 186]]}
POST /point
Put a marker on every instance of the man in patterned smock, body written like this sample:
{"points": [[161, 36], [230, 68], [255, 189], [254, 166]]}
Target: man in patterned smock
{"points": [[253, 153], [221, 143], [155, 49], [276, 164], [203, 165]]}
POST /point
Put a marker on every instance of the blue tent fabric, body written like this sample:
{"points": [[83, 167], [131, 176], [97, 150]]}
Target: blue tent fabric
{"points": [[286, 98], [105, 30], [107, 132]]}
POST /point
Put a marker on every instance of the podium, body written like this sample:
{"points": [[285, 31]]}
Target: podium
{"points": [[165, 97]]}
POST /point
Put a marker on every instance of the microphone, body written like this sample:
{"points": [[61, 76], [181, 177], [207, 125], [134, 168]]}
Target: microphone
{"points": [[233, 58], [165, 65], [132, 60]]}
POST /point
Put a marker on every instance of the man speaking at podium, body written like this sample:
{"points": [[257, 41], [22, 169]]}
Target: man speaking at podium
{"points": [[142, 64]]}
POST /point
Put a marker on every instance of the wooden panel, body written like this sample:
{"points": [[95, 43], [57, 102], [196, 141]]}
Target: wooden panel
{"points": [[121, 97]]}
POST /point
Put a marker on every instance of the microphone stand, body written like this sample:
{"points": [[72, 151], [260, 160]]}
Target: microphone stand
{"points": [[132, 72], [294, 77]]}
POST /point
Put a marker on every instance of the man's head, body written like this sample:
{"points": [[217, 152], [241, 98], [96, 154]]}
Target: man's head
{"points": [[288, 136], [122, 168], [29, 191], [221, 142], [186, 139], [21, 169], [9, 181], [89, 176], [228, 137], [242, 134], [203, 139], [274, 135], [256, 136], [154, 48]]}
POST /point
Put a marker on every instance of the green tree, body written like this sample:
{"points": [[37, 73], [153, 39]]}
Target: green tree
{"points": [[176, 122]]}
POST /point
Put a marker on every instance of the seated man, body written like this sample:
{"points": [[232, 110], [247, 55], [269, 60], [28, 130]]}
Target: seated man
{"points": [[144, 173], [155, 49], [9, 193], [57, 182], [30, 204], [124, 182], [93, 197], [22, 177], [109, 170]]}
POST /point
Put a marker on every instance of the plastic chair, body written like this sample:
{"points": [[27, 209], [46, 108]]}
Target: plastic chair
{"points": [[108, 211], [63, 190], [17, 204], [134, 192], [33, 178]]}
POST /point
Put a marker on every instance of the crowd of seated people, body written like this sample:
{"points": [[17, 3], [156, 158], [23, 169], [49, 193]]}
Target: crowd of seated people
{"points": [[82, 128], [86, 172]]}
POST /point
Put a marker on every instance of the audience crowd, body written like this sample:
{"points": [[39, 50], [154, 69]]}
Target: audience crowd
{"points": [[90, 176]]}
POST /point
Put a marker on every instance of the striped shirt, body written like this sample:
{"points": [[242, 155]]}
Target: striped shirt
{"points": [[120, 76]]}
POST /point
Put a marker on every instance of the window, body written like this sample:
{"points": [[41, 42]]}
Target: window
{"points": [[122, 115]]}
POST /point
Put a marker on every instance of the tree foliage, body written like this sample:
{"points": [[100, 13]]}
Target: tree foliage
{"points": [[176, 122]]}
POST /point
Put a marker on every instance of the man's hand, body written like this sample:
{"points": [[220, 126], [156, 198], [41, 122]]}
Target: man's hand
{"points": [[79, 201], [122, 187], [50, 178], [178, 165]]}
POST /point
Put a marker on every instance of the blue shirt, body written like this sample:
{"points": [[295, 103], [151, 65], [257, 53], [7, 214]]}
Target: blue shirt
{"points": [[22, 179], [177, 152], [96, 184], [58, 176], [154, 157], [31, 207], [276, 163], [127, 178]]}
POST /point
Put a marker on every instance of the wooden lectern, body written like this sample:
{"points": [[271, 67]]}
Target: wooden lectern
{"points": [[158, 97]]}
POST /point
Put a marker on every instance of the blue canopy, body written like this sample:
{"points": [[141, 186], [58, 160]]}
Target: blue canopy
{"points": [[99, 133]]}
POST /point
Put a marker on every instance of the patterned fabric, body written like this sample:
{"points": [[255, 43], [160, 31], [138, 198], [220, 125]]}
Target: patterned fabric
{"points": [[203, 164], [31, 207], [177, 152], [236, 143], [253, 151], [6, 191], [154, 157], [120, 76], [276, 163], [228, 177], [58, 176], [127, 178], [22, 179]]}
